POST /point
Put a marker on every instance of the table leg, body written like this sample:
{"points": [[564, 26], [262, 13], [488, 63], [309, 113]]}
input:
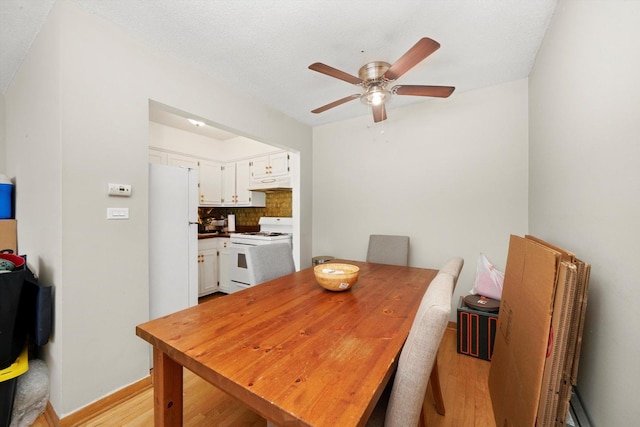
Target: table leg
{"points": [[167, 390]]}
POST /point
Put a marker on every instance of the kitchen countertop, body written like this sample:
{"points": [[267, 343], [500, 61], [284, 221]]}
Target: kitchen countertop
{"points": [[211, 235], [239, 229]]}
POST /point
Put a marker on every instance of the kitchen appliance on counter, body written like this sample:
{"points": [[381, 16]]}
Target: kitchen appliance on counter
{"points": [[211, 225], [272, 230]]}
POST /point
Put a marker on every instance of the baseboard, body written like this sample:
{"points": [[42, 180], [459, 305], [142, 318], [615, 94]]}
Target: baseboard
{"points": [[577, 411], [50, 416], [452, 325], [83, 415]]}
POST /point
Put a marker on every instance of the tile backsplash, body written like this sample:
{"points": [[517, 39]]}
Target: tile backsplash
{"points": [[278, 204]]}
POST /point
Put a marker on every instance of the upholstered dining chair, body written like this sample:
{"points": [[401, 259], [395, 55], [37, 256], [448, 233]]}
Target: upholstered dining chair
{"points": [[267, 262], [452, 267], [386, 249], [401, 405]]}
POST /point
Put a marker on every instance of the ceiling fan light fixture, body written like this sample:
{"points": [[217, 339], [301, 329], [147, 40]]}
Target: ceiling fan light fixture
{"points": [[375, 95]]}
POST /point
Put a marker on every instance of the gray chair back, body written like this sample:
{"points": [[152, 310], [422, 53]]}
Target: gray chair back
{"points": [[267, 262], [385, 249], [417, 357]]}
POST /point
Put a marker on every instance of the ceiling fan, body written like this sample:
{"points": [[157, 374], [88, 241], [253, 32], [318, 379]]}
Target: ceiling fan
{"points": [[375, 76]]}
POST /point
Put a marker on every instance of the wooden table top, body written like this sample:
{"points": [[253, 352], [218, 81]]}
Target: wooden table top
{"points": [[295, 353]]}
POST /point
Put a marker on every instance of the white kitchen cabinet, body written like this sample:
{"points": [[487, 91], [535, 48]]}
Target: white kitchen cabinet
{"points": [[210, 183], [224, 266], [207, 266], [243, 179], [270, 166], [158, 157], [229, 184], [213, 265], [209, 174], [236, 182], [182, 161]]}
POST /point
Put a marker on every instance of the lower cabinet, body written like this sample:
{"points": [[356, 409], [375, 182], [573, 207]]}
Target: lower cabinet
{"points": [[224, 265], [213, 265], [207, 267]]}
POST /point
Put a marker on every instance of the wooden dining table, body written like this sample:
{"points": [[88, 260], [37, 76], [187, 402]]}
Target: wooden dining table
{"points": [[293, 352]]}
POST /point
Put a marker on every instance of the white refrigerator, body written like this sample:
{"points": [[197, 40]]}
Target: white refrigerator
{"points": [[173, 239]]}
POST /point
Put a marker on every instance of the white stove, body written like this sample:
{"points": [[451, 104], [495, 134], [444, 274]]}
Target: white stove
{"points": [[272, 230]]}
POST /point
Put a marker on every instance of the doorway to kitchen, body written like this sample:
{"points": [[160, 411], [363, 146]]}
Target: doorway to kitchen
{"points": [[229, 167]]}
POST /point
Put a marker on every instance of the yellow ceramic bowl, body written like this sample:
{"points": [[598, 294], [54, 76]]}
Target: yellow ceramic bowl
{"points": [[335, 276]]}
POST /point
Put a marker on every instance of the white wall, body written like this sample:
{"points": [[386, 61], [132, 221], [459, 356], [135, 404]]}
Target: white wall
{"points": [[241, 147], [178, 140], [451, 174], [585, 185], [34, 161], [3, 144], [77, 119]]}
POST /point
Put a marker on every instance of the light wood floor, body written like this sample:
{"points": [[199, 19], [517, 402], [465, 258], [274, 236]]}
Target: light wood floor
{"points": [[463, 381]]}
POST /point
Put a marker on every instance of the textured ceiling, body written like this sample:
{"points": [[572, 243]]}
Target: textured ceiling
{"points": [[264, 47]]}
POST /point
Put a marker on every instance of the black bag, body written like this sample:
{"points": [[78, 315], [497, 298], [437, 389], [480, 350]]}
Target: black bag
{"points": [[37, 303], [25, 313], [13, 328]]}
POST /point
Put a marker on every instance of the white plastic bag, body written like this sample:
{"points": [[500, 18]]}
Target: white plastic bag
{"points": [[489, 279]]}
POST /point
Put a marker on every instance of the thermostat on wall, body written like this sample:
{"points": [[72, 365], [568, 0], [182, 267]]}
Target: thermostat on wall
{"points": [[120, 190]]}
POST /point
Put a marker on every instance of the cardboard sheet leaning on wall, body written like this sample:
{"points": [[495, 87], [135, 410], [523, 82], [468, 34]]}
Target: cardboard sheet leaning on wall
{"points": [[538, 341]]}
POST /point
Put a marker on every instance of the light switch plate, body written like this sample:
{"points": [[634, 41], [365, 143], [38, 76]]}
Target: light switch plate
{"points": [[117, 213]]}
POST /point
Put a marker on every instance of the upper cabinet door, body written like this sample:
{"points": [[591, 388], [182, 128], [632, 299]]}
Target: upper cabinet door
{"points": [[210, 183], [279, 164], [260, 167], [236, 182], [229, 184], [243, 181], [271, 165]]}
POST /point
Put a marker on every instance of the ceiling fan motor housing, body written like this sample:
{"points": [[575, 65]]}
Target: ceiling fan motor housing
{"points": [[374, 83], [373, 71]]}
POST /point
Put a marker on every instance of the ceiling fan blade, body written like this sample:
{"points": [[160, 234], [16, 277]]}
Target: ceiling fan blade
{"points": [[336, 103], [334, 72], [417, 90], [417, 53], [379, 112]]}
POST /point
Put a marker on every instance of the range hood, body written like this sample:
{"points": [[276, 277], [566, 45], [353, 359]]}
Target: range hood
{"points": [[271, 184]]}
